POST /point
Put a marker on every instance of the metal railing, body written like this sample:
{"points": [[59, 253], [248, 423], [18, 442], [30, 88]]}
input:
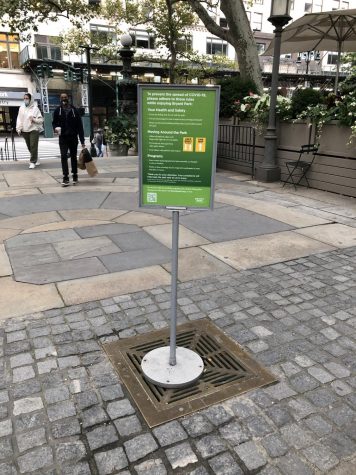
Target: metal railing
{"points": [[236, 143], [8, 152]]}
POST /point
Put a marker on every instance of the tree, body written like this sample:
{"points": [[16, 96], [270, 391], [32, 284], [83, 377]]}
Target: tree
{"points": [[238, 34], [24, 16]]}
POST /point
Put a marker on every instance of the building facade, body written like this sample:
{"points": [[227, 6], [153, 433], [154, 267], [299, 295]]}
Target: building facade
{"points": [[19, 61]]}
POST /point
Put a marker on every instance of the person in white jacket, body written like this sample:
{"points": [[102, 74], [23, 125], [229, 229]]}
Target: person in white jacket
{"points": [[29, 124]]}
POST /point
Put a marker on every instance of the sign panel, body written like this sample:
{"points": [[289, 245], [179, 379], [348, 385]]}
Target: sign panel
{"points": [[177, 146]]}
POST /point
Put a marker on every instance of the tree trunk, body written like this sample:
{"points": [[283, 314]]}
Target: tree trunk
{"points": [[239, 35], [172, 44]]}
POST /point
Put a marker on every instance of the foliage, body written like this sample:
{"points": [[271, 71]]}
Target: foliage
{"points": [[255, 108], [233, 91], [302, 98], [122, 130], [26, 15]]}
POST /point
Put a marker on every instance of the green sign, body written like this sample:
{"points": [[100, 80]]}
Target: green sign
{"points": [[178, 133]]}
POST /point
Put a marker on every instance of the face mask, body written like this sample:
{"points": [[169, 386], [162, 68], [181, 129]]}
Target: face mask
{"points": [[64, 102], [27, 102]]}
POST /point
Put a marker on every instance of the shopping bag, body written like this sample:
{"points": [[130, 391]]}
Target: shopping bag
{"points": [[91, 168], [81, 160]]}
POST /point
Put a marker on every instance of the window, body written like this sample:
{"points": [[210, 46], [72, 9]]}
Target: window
{"points": [[259, 2], [336, 4], [101, 34], [216, 46], [317, 6], [308, 7], [9, 51], [223, 23], [261, 47], [345, 5], [257, 22], [332, 58], [47, 47], [142, 39], [292, 5], [185, 44]]}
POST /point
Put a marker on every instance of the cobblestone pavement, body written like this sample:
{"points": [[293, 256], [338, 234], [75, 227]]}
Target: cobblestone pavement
{"points": [[64, 411]]}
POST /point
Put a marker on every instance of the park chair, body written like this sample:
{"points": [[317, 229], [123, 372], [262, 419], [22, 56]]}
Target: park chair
{"points": [[298, 169]]}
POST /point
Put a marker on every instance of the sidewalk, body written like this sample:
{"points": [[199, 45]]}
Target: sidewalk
{"points": [[84, 265]]}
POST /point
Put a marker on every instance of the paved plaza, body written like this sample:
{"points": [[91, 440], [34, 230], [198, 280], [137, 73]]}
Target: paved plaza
{"points": [[82, 266]]}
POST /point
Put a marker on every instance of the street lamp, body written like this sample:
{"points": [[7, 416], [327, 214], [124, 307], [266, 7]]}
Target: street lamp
{"points": [[269, 170], [126, 55], [88, 49]]}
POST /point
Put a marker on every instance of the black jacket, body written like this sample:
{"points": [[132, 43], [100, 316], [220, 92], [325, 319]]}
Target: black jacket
{"points": [[70, 124]]}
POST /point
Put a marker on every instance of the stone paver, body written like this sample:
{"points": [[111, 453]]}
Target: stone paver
{"points": [[62, 406]]}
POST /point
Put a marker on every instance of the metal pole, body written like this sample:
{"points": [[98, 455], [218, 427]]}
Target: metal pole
{"points": [[90, 99], [269, 170], [174, 280], [337, 67]]}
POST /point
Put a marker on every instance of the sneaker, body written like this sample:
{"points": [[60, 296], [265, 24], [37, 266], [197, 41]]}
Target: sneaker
{"points": [[32, 165], [38, 163], [65, 182], [75, 181]]}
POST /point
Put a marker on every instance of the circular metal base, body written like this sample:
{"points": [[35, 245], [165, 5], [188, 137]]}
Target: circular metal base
{"points": [[156, 368]]}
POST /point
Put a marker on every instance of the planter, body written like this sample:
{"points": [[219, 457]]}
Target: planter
{"points": [[119, 149]]}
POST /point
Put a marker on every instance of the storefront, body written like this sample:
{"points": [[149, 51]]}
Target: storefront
{"points": [[9, 105]]}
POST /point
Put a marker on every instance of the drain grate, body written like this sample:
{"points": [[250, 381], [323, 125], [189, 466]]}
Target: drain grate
{"points": [[228, 371]]}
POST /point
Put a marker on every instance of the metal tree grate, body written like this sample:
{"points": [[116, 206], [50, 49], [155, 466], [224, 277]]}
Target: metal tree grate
{"points": [[228, 371]]}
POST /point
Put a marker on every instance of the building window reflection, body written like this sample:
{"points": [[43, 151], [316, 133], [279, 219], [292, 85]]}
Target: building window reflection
{"points": [[9, 51]]}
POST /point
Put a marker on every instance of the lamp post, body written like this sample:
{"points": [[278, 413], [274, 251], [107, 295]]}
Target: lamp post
{"points": [[126, 54], [88, 50], [269, 170]]}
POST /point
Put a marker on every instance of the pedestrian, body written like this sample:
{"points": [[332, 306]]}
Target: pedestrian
{"points": [[68, 125], [99, 142], [29, 125]]}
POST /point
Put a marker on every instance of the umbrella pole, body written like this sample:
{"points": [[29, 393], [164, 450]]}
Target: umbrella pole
{"points": [[337, 67]]}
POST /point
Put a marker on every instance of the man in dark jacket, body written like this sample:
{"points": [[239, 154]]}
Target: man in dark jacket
{"points": [[67, 123]]}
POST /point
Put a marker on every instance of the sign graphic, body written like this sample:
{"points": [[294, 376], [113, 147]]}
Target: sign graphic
{"points": [[178, 134]]}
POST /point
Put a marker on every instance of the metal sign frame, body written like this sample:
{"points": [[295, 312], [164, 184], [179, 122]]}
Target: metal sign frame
{"points": [[214, 132]]}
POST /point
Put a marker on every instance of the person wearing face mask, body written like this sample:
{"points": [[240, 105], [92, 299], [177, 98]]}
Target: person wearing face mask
{"points": [[67, 124], [29, 125]]}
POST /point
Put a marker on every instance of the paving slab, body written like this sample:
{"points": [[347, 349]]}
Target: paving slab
{"points": [[99, 214], [187, 238], [274, 211], [264, 250], [229, 223], [135, 259], [64, 225], [5, 266], [141, 219], [20, 205], [41, 238], [36, 177], [64, 270], [96, 246], [33, 219], [195, 263], [84, 187], [7, 233], [19, 192], [135, 241], [30, 256], [19, 299], [121, 201], [106, 230], [118, 283], [336, 235]]}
